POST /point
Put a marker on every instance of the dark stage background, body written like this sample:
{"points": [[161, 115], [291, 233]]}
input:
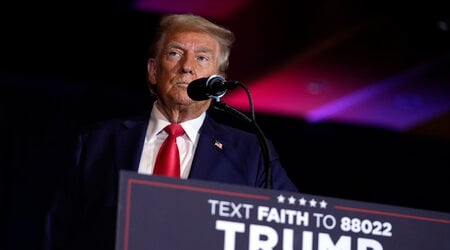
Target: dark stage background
{"points": [[65, 65]]}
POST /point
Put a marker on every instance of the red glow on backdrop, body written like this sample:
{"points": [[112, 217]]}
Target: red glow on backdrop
{"points": [[219, 9], [319, 94], [349, 76]]}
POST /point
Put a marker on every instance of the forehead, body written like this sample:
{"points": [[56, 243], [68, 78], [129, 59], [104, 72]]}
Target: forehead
{"points": [[192, 40]]}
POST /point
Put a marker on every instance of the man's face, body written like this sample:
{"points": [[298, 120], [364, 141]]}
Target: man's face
{"points": [[185, 56]]}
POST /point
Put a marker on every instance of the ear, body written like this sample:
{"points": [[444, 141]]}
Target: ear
{"points": [[151, 70]]}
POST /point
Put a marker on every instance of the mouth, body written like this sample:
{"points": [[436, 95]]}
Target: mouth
{"points": [[182, 83]]}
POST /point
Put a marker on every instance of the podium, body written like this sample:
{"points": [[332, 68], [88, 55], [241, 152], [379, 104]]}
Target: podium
{"points": [[156, 212]]}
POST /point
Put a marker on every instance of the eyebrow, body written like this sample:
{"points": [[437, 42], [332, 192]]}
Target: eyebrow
{"points": [[177, 45]]}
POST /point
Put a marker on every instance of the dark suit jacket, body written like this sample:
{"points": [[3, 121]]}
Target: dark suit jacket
{"points": [[84, 213]]}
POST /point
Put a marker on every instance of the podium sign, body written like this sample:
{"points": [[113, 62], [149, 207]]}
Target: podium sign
{"points": [[162, 213]]}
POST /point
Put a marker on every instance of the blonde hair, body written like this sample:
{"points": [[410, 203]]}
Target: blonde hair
{"points": [[191, 22]]}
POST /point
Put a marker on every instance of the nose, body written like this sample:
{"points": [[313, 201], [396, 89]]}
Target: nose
{"points": [[187, 64]]}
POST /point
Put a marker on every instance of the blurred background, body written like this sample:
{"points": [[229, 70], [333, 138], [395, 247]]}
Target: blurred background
{"points": [[354, 94]]}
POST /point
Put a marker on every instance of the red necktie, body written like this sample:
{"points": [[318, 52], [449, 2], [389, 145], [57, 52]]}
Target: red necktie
{"points": [[168, 159]]}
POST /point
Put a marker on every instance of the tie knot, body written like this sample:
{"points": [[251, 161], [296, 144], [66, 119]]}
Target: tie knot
{"points": [[174, 129]]}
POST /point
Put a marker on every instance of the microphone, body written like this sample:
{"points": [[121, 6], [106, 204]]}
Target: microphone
{"points": [[214, 86]]}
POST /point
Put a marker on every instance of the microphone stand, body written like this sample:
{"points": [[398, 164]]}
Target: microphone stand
{"points": [[217, 104]]}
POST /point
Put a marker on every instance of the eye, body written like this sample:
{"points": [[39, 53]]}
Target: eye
{"points": [[202, 58], [173, 54]]}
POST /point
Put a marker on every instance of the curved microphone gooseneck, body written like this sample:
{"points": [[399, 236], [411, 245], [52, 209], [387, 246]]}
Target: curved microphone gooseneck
{"points": [[217, 104]]}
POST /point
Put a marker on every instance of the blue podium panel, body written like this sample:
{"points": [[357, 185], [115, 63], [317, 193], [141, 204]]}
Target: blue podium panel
{"points": [[163, 213]]}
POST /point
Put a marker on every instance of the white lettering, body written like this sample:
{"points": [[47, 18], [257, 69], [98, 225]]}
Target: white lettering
{"points": [[307, 240], [262, 238], [283, 216], [326, 243], [230, 229], [365, 244], [288, 239], [230, 209]]}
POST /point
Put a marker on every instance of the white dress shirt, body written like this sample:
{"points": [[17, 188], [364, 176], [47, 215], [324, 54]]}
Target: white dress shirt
{"points": [[156, 135]]}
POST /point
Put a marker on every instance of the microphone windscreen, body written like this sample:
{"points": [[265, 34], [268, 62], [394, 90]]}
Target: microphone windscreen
{"points": [[196, 89]]}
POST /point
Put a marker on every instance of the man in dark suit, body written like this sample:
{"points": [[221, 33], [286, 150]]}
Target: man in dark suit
{"points": [[187, 47]]}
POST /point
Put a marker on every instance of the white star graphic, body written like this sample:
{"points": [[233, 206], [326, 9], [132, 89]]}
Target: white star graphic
{"points": [[323, 204], [281, 198], [312, 203], [291, 200], [302, 201]]}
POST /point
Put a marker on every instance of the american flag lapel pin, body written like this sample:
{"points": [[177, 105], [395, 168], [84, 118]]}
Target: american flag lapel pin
{"points": [[218, 144]]}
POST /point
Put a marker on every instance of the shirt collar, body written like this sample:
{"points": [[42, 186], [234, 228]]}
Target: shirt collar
{"points": [[158, 122]]}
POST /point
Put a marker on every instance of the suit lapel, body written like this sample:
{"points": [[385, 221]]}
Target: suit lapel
{"points": [[210, 144], [129, 144]]}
